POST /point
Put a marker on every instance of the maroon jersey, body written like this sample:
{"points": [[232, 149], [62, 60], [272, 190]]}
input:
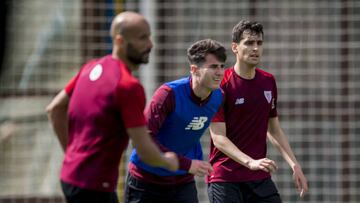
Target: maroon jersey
{"points": [[105, 99], [247, 108]]}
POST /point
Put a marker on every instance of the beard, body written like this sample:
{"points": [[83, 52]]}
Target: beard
{"points": [[137, 57]]}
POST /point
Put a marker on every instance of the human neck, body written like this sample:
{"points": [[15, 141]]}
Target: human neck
{"points": [[199, 90], [120, 56], [245, 71]]}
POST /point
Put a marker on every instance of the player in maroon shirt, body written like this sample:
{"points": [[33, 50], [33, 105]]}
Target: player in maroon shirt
{"points": [[239, 131], [99, 110]]}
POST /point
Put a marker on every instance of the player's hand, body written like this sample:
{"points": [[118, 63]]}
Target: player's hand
{"points": [[264, 164], [200, 168], [300, 180], [171, 161]]}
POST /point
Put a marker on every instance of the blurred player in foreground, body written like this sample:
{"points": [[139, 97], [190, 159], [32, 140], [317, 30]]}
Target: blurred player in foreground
{"points": [[179, 113], [238, 149], [99, 110]]}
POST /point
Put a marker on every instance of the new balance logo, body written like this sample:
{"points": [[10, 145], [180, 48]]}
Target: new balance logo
{"points": [[197, 123], [239, 101]]}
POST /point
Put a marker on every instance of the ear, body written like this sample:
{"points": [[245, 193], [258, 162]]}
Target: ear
{"points": [[194, 69], [119, 39], [234, 47]]}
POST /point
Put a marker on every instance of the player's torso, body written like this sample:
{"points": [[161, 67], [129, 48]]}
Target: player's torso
{"points": [[97, 137], [186, 124], [247, 108]]}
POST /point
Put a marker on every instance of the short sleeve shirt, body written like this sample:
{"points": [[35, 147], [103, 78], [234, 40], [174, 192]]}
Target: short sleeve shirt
{"points": [[247, 108], [105, 100]]}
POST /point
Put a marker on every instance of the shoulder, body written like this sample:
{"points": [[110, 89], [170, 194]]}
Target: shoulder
{"points": [[218, 95], [126, 80], [130, 84], [264, 74], [102, 61], [163, 98], [218, 92], [266, 78], [130, 90], [164, 88], [178, 83], [163, 92], [127, 84], [228, 74]]}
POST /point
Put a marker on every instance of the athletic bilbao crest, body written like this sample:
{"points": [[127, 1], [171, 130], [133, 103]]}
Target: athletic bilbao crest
{"points": [[268, 96], [96, 72]]}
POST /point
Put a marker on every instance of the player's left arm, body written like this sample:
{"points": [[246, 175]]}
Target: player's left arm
{"points": [[161, 105], [278, 138]]}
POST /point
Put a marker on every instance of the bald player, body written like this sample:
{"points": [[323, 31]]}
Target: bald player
{"points": [[99, 110]]}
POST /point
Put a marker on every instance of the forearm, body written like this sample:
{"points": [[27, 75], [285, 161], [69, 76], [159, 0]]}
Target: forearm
{"points": [[146, 147], [225, 145], [150, 154], [228, 148], [184, 162], [278, 138]]}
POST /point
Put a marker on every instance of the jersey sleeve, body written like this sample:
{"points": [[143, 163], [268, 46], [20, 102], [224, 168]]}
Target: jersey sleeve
{"points": [[273, 111], [69, 88], [131, 103], [161, 105], [220, 115]]}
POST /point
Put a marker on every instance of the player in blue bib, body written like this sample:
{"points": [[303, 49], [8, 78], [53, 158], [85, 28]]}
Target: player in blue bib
{"points": [[178, 115]]}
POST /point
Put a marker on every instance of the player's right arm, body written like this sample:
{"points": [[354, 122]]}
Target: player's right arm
{"points": [[57, 115], [131, 102], [149, 152], [226, 146]]}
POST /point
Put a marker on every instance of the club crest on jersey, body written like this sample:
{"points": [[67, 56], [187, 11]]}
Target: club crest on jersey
{"points": [[197, 123], [96, 72], [268, 96]]}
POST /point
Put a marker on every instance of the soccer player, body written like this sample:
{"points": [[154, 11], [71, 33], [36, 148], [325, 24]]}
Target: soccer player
{"points": [[99, 110], [238, 148], [179, 113]]}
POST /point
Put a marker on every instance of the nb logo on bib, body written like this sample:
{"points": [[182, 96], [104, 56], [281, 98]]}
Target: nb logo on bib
{"points": [[197, 123]]}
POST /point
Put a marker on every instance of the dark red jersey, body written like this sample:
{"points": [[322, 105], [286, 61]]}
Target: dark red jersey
{"points": [[247, 108], [105, 100]]}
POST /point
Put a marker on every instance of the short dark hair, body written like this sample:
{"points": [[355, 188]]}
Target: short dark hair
{"points": [[253, 26], [197, 52]]}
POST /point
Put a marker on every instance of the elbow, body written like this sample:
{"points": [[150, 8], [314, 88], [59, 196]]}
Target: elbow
{"points": [[218, 143], [55, 109], [49, 110], [151, 161], [150, 157], [154, 161]]}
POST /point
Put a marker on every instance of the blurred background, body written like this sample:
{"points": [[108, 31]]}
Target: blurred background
{"points": [[312, 48]]}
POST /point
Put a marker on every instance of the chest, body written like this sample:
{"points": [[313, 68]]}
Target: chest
{"points": [[250, 96]]}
